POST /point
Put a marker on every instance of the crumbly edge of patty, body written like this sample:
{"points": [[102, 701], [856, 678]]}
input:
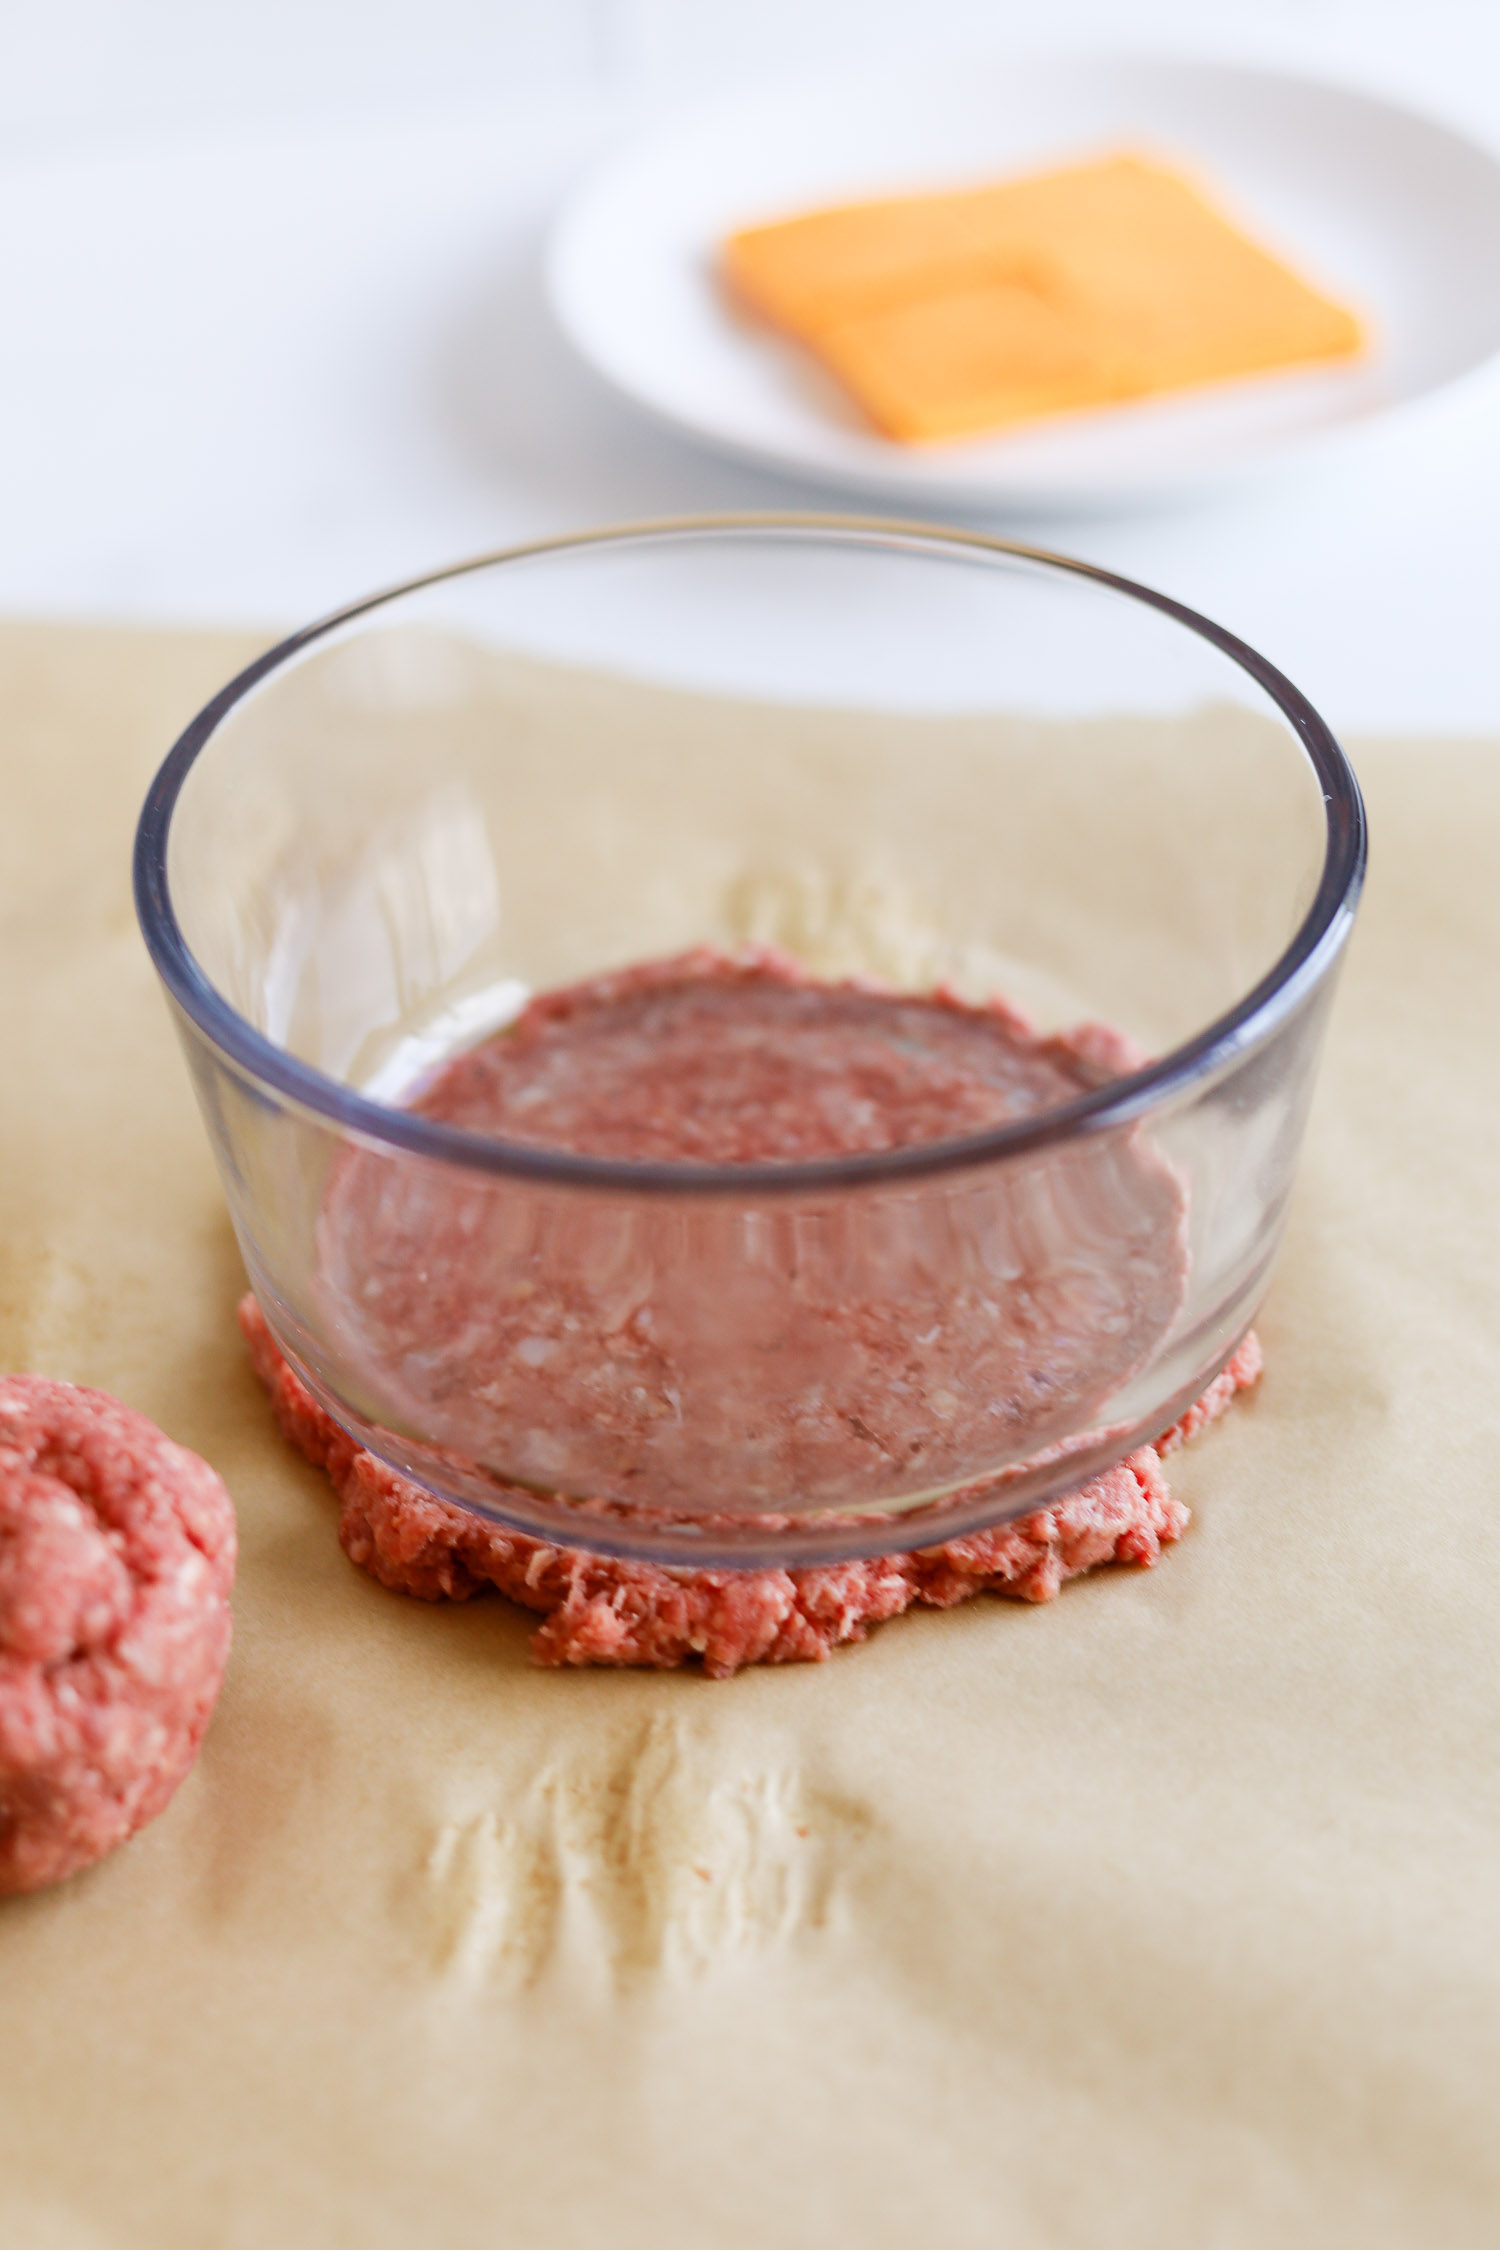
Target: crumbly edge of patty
{"points": [[598, 1609]]}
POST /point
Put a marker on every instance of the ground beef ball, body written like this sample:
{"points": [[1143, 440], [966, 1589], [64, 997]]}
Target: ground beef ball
{"points": [[117, 1552], [600, 1610]]}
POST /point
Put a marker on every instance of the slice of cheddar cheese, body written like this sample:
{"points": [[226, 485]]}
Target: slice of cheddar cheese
{"points": [[946, 315]]}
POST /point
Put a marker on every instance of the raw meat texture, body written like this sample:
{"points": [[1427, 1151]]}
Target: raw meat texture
{"points": [[599, 1610], [850, 1348], [1241, 1371], [117, 1553], [710, 1057]]}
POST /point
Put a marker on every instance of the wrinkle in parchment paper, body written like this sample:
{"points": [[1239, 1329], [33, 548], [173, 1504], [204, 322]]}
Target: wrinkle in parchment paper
{"points": [[1166, 1915]]}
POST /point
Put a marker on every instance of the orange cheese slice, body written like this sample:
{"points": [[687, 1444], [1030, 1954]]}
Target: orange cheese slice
{"points": [[946, 315]]}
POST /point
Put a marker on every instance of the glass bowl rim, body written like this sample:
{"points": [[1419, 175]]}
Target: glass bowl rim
{"points": [[1313, 948]]}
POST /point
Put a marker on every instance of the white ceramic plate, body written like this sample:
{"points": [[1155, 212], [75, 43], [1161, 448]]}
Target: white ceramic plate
{"points": [[1386, 209]]}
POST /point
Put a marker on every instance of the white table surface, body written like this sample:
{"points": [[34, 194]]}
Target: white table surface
{"points": [[257, 365]]}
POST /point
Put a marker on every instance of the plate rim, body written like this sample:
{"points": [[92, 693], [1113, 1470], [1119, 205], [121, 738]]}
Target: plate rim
{"points": [[910, 477]]}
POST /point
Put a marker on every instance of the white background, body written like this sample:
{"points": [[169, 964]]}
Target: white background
{"points": [[271, 330]]}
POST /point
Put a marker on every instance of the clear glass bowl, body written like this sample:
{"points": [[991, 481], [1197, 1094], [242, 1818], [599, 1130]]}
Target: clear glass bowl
{"points": [[918, 757]]}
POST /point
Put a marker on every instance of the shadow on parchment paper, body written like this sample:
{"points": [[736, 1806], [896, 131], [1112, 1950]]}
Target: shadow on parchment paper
{"points": [[215, 1366]]}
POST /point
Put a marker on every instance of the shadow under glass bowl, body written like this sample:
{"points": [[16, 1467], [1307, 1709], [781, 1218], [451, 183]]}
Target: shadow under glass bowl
{"points": [[914, 757]]}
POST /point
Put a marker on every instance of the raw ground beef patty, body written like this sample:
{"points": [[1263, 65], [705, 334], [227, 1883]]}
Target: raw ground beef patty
{"points": [[599, 1610], [851, 1347], [117, 1553]]}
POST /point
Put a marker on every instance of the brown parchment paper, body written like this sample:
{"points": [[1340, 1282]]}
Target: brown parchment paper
{"points": [[1166, 1915]]}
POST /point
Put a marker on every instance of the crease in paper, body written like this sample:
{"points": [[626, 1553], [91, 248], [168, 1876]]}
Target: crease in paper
{"points": [[650, 1863]]}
